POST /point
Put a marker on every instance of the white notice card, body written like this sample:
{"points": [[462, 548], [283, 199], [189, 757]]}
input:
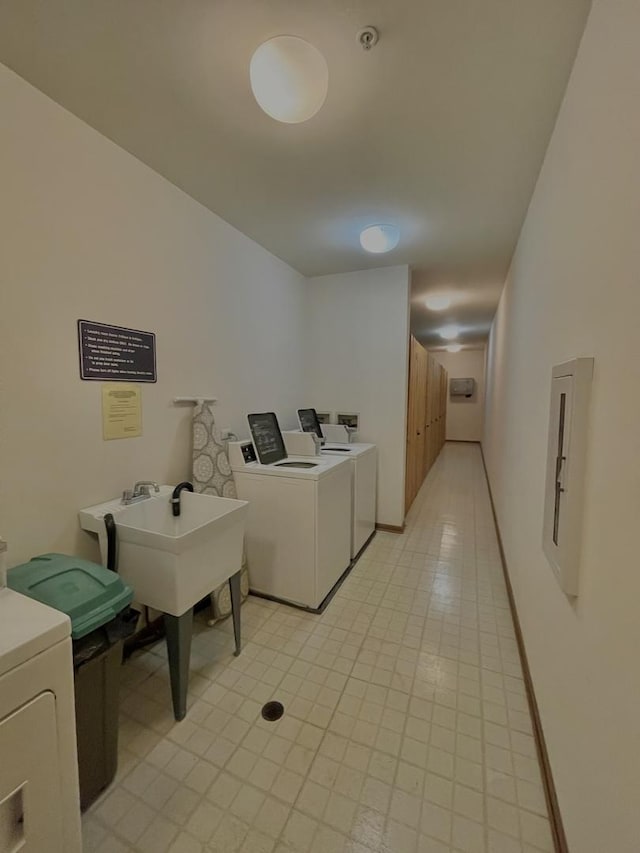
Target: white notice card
{"points": [[121, 410]]}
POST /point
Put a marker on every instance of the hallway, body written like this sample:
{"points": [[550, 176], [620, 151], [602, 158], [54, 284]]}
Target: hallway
{"points": [[406, 726]]}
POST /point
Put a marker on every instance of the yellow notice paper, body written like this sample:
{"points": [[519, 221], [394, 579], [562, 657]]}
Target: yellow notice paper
{"points": [[121, 410]]}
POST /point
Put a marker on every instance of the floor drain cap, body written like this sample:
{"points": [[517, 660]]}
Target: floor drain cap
{"points": [[272, 711]]}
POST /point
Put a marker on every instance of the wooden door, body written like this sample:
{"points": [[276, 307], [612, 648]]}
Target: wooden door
{"points": [[416, 418], [425, 417], [428, 445], [443, 405], [433, 426], [411, 425], [422, 358]]}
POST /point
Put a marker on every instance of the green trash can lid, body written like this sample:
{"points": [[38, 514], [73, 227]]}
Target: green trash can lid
{"points": [[88, 593]]}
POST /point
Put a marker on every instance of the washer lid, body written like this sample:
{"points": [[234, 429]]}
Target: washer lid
{"points": [[27, 628], [302, 465], [321, 466], [357, 448]]}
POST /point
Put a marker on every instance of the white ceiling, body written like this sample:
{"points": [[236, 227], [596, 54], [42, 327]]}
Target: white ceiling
{"points": [[441, 128]]}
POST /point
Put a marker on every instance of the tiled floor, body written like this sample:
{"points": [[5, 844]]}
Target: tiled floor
{"points": [[406, 727]]}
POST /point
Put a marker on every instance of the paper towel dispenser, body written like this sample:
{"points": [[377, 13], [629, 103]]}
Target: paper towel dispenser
{"points": [[462, 387]]}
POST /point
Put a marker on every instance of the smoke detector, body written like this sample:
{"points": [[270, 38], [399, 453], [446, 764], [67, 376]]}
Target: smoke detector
{"points": [[367, 37]]}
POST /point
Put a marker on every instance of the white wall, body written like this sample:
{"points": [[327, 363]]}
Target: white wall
{"points": [[358, 327], [465, 416], [574, 290], [87, 231]]}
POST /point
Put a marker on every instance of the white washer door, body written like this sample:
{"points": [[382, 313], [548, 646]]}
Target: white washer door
{"points": [[30, 815]]}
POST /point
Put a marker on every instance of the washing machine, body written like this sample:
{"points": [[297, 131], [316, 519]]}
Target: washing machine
{"points": [[339, 433], [364, 466], [298, 529], [39, 795]]}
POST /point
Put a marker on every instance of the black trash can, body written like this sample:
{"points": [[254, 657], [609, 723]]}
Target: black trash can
{"points": [[97, 602]]}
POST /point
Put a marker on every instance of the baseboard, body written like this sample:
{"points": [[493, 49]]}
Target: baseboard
{"points": [[391, 528], [555, 817], [463, 441]]}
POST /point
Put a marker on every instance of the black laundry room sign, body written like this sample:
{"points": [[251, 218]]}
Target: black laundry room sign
{"points": [[115, 353]]}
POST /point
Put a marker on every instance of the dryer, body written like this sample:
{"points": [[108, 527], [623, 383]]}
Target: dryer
{"points": [[39, 795], [298, 529]]}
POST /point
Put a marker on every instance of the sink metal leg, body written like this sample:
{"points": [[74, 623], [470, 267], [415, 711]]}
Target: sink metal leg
{"points": [[179, 630], [236, 603]]}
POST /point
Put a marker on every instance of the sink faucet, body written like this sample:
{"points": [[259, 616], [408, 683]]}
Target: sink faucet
{"points": [[175, 496], [139, 492]]}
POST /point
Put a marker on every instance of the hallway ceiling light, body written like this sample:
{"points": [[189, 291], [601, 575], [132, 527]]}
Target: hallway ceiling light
{"points": [[453, 348], [289, 78], [437, 303], [379, 238], [449, 333]]}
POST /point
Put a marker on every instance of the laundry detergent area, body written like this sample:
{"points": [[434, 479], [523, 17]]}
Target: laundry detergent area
{"points": [[311, 508], [283, 515], [170, 527]]}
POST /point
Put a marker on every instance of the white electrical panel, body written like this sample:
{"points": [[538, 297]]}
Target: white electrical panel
{"points": [[566, 451]]}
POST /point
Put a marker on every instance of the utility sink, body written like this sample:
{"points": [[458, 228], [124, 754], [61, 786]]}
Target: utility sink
{"points": [[172, 563]]}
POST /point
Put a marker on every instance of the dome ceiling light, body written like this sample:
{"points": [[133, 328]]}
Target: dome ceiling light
{"points": [[453, 348], [449, 333], [379, 238], [437, 302], [289, 78]]}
